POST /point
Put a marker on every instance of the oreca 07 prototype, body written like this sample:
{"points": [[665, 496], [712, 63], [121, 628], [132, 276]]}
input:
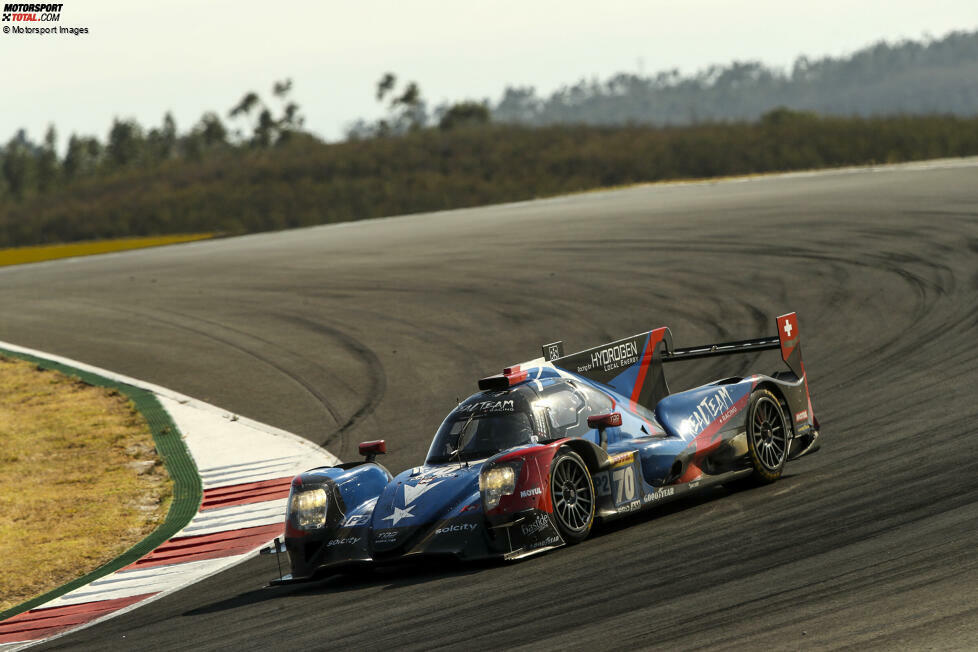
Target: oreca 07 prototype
{"points": [[550, 446]]}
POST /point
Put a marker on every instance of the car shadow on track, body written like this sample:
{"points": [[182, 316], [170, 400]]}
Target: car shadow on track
{"points": [[421, 571], [722, 496], [391, 577]]}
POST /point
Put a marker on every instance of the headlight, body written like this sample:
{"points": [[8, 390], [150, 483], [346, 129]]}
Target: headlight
{"points": [[498, 481], [308, 508]]}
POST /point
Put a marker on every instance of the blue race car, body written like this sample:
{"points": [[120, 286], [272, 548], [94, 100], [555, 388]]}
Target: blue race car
{"points": [[550, 446]]}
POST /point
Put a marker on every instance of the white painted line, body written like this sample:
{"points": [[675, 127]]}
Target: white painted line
{"points": [[223, 474], [122, 584], [235, 518], [216, 481]]}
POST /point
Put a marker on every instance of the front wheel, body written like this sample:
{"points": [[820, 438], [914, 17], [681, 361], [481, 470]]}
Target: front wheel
{"points": [[767, 436], [572, 492]]}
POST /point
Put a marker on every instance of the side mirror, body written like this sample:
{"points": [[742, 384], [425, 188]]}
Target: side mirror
{"points": [[371, 449], [602, 421]]}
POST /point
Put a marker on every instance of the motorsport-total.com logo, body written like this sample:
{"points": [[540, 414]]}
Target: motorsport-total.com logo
{"points": [[30, 13], [27, 16]]}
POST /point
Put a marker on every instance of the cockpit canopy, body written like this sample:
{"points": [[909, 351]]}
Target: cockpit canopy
{"points": [[493, 421]]}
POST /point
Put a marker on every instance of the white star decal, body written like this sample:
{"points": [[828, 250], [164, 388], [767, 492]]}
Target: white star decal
{"points": [[399, 515], [411, 493]]}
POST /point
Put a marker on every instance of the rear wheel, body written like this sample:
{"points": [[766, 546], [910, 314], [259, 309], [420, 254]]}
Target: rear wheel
{"points": [[572, 492], [767, 436]]}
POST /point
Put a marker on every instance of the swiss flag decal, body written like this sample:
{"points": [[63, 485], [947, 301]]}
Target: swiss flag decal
{"points": [[788, 333]]}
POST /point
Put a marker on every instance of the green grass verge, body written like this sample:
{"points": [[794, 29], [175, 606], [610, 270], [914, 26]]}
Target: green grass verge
{"points": [[187, 490]]}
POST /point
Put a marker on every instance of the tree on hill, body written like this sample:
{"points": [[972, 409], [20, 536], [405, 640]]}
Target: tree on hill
{"points": [[161, 143], [464, 114], [406, 111], [125, 143], [82, 158], [20, 165], [48, 165], [266, 129]]}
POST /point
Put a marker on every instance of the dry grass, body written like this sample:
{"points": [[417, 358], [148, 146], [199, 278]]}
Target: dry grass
{"points": [[80, 481], [21, 255]]}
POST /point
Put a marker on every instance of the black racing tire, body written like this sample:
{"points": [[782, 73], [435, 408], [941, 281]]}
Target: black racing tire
{"points": [[768, 437], [572, 493]]}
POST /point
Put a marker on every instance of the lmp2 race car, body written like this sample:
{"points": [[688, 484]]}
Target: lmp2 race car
{"points": [[549, 446]]}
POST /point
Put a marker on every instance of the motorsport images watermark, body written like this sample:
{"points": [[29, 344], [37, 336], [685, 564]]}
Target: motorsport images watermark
{"points": [[36, 13]]}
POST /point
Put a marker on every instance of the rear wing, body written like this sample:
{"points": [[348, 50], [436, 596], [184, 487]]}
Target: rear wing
{"points": [[633, 366], [788, 340]]}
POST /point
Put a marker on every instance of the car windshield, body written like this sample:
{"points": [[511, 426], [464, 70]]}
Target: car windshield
{"points": [[480, 435]]}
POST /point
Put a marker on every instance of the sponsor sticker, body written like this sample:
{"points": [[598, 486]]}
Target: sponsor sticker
{"points": [[342, 542], [612, 357], [386, 535], [541, 522], [553, 351], [630, 507], [356, 519], [535, 491], [718, 405], [602, 484], [801, 416], [459, 527], [486, 406], [726, 415], [552, 541], [612, 354], [660, 494], [622, 459]]}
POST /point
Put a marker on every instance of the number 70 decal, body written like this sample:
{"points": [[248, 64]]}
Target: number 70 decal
{"points": [[624, 480]]}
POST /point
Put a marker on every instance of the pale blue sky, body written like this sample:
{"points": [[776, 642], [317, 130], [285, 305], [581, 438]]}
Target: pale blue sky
{"points": [[142, 59]]}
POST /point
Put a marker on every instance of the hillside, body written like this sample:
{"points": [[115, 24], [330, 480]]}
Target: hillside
{"points": [[909, 77], [304, 182]]}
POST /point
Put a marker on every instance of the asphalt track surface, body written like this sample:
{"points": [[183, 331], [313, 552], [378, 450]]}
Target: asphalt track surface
{"points": [[371, 330]]}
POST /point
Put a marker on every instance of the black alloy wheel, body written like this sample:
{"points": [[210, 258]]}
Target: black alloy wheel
{"points": [[572, 491], [768, 436]]}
